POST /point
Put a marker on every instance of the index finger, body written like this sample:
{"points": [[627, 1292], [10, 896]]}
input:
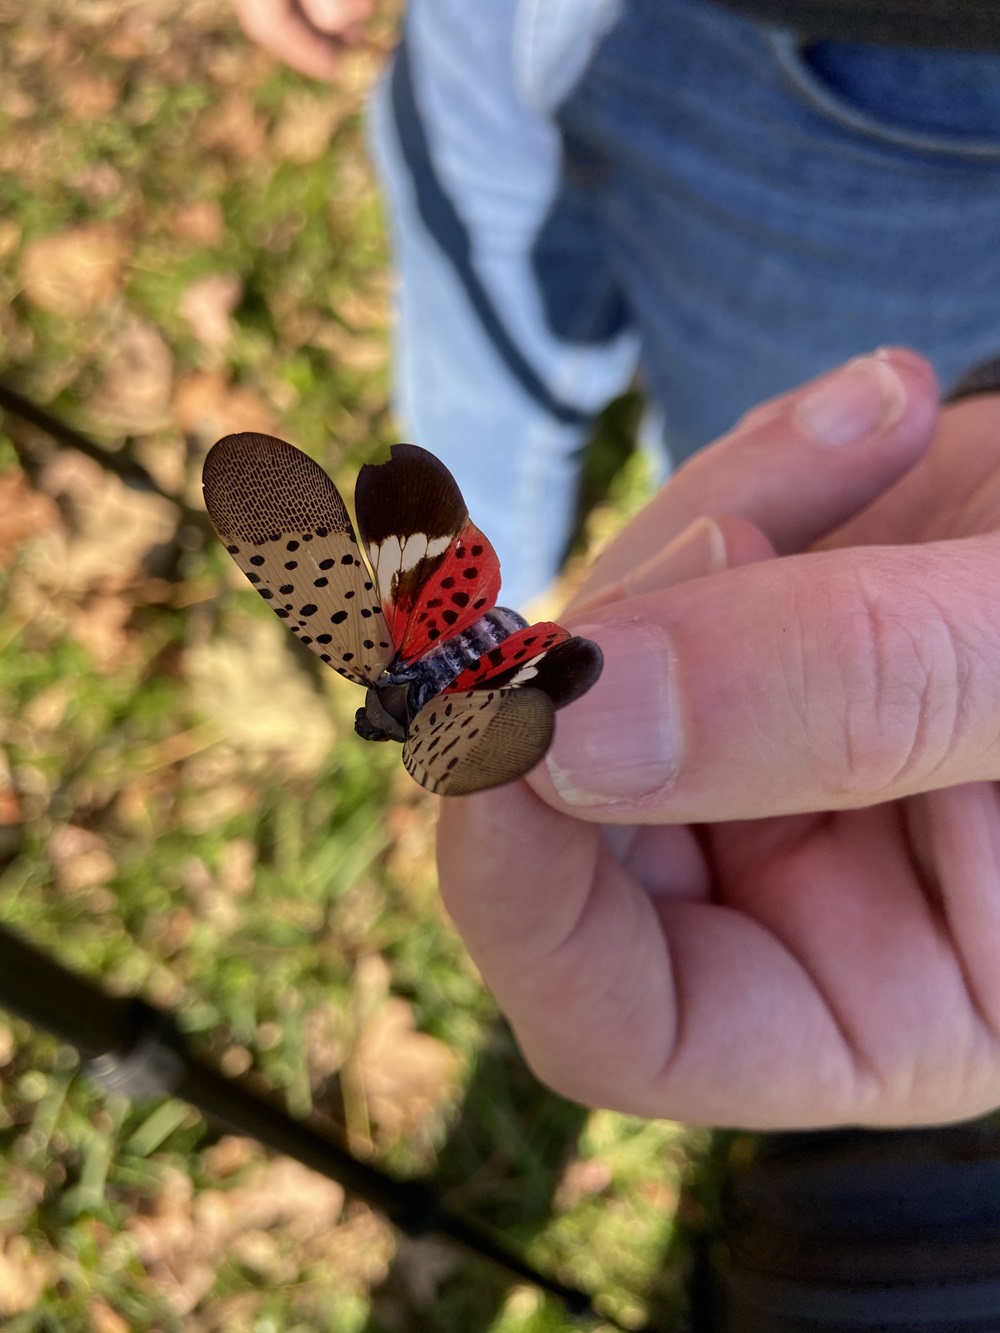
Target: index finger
{"points": [[795, 467]]}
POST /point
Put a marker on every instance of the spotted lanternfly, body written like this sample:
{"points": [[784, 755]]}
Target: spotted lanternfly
{"points": [[468, 687]]}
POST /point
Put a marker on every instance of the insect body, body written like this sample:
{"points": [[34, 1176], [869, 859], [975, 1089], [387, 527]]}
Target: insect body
{"points": [[468, 687]]}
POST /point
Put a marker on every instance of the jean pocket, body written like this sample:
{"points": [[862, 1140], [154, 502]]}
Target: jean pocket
{"points": [[942, 103]]}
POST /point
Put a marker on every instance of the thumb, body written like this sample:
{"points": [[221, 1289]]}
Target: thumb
{"points": [[830, 680]]}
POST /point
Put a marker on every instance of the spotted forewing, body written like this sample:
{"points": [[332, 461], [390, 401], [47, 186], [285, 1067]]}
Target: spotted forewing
{"points": [[284, 523]]}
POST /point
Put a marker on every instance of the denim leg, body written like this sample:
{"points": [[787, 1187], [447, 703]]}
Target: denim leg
{"points": [[772, 208]]}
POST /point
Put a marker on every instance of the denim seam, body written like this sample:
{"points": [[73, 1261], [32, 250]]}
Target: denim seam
{"points": [[787, 48]]}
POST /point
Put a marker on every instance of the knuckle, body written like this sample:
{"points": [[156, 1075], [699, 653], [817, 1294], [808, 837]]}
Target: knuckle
{"points": [[900, 703]]}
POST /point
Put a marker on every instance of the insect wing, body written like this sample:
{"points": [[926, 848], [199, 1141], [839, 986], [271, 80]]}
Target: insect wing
{"points": [[544, 656], [436, 572], [282, 520], [463, 743]]}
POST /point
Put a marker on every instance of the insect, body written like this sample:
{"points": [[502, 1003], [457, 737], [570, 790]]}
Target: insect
{"points": [[468, 687]]}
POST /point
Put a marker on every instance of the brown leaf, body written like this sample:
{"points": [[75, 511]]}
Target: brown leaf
{"points": [[73, 273], [354, 351], [234, 127], [23, 513], [206, 406], [114, 529], [134, 395], [307, 125], [582, 1178], [325, 1041], [230, 1155], [201, 222], [11, 814], [180, 1261], [100, 626], [10, 237], [88, 95], [105, 1319], [406, 1074], [22, 1276], [248, 686], [98, 181], [283, 1192], [207, 303], [80, 859]]}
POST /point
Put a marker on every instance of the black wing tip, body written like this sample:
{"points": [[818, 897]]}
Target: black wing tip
{"points": [[412, 491], [570, 670], [409, 453]]}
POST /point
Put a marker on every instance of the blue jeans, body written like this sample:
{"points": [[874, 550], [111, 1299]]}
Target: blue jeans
{"points": [[716, 203], [772, 209]]}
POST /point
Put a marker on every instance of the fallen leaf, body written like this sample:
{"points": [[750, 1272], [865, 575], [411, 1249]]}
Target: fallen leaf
{"points": [[406, 1074], [326, 1041], [73, 273], [355, 351], [100, 626], [261, 1253], [207, 303], [234, 127], [23, 513], [10, 237], [201, 222], [97, 181], [180, 1261], [249, 687], [307, 125], [90, 96], [80, 859], [237, 867], [207, 406], [582, 1179], [134, 395], [231, 1154], [104, 1319], [114, 529], [23, 1275]]}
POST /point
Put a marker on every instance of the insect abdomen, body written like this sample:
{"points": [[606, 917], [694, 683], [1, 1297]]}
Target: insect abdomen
{"points": [[436, 670]]}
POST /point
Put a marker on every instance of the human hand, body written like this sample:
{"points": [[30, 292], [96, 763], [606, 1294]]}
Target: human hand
{"points": [[791, 916], [306, 34]]}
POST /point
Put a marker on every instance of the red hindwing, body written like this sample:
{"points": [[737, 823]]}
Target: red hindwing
{"points": [[518, 653], [463, 587], [436, 573]]}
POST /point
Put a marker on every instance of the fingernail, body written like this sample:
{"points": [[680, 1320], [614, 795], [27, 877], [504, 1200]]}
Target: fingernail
{"points": [[698, 550], [865, 396], [327, 15], [622, 739]]}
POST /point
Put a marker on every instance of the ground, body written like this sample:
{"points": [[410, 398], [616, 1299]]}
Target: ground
{"points": [[190, 244]]}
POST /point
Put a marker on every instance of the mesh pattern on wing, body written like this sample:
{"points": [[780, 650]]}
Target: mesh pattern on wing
{"points": [[284, 523], [460, 744]]}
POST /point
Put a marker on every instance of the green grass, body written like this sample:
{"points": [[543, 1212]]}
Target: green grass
{"points": [[188, 816]]}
